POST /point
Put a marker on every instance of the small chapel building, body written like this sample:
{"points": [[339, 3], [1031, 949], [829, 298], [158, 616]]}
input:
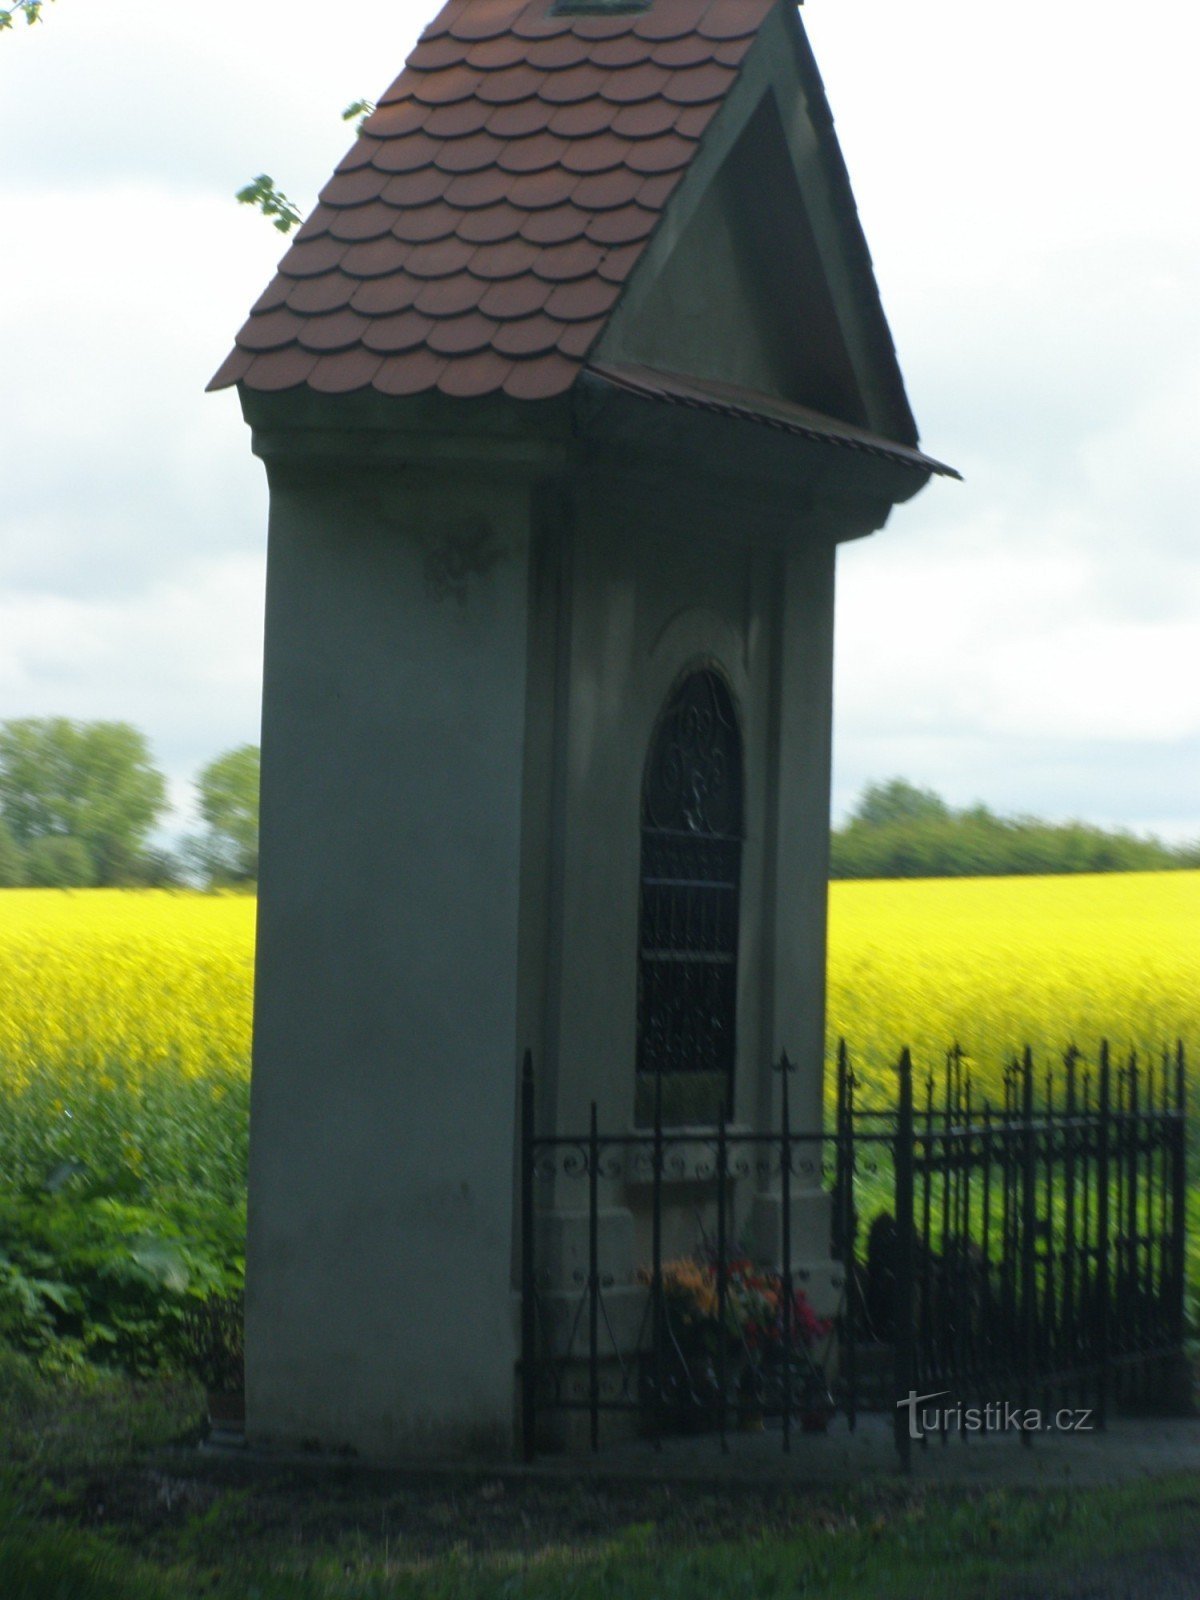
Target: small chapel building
{"points": [[567, 392]]}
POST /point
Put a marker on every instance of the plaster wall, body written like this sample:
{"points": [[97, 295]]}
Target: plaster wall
{"points": [[379, 1259], [650, 598]]}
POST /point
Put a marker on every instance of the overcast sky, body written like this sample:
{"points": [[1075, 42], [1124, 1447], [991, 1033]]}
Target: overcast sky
{"points": [[1026, 181]]}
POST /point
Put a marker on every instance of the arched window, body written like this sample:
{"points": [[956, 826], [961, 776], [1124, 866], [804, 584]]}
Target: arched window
{"points": [[688, 916]]}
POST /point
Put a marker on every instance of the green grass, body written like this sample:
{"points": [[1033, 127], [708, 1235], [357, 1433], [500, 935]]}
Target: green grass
{"points": [[87, 1514]]}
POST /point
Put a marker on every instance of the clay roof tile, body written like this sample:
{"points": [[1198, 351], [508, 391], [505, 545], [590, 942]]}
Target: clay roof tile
{"points": [[280, 369], [625, 50], [413, 188], [577, 338], [472, 154], [622, 226], [535, 191], [669, 153], [461, 336], [646, 119], [541, 378], [528, 336], [509, 259], [598, 154], [424, 224], [345, 371], [573, 84], [667, 19], [516, 121], [407, 154], [440, 258], [375, 258], [555, 226], [491, 224], [534, 154], [634, 84], [383, 297], [312, 296], [271, 330], [276, 292], [483, 224], [412, 373], [502, 50], [482, 19], [693, 85], [392, 335], [339, 330], [482, 373], [313, 259], [559, 51], [580, 120], [456, 121], [563, 263], [447, 297], [514, 297], [354, 188], [604, 191], [430, 54], [363, 222], [447, 86], [514, 83], [582, 301]]}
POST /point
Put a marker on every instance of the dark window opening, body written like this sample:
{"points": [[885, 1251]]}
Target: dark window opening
{"points": [[688, 912]]}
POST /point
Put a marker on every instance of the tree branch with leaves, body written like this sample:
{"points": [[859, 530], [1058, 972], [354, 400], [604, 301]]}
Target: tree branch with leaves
{"points": [[269, 198], [31, 10]]}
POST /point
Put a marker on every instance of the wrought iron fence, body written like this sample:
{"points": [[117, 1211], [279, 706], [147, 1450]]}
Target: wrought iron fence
{"points": [[1028, 1249]]}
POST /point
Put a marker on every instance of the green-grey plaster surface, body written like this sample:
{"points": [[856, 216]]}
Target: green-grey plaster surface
{"points": [[382, 1118]]}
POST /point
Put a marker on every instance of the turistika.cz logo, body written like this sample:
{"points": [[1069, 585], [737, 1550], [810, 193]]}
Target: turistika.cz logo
{"points": [[996, 1416]]}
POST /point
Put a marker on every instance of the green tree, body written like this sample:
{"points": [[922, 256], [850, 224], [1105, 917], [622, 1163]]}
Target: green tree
{"points": [[90, 782], [228, 788], [12, 862], [897, 800], [57, 861]]}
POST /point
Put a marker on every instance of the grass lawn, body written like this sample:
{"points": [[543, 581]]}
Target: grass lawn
{"points": [[94, 1505]]}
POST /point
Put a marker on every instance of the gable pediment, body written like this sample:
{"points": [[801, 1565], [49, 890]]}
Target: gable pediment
{"points": [[758, 274]]}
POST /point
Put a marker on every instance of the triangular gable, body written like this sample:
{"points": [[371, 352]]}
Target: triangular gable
{"points": [[758, 275]]}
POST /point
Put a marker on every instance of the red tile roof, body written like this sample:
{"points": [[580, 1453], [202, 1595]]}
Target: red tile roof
{"points": [[479, 233]]}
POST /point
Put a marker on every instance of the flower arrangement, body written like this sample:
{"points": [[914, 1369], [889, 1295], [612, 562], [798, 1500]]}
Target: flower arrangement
{"points": [[754, 1302], [757, 1344]]}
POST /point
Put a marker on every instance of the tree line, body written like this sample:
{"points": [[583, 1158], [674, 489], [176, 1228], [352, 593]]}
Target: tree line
{"points": [[79, 802], [898, 830]]}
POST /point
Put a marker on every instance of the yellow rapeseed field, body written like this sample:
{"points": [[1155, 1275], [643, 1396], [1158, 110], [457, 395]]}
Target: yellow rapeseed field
{"points": [[144, 978], [125, 1042], [998, 963], [136, 983]]}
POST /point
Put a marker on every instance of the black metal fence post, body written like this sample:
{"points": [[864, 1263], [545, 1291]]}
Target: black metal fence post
{"points": [[904, 1410], [1103, 1135], [1028, 1242], [593, 1280], [658, 1308], [722, 1284], [785, 1187], [845, 1230], [528, 1283], [1178, 1197]]}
